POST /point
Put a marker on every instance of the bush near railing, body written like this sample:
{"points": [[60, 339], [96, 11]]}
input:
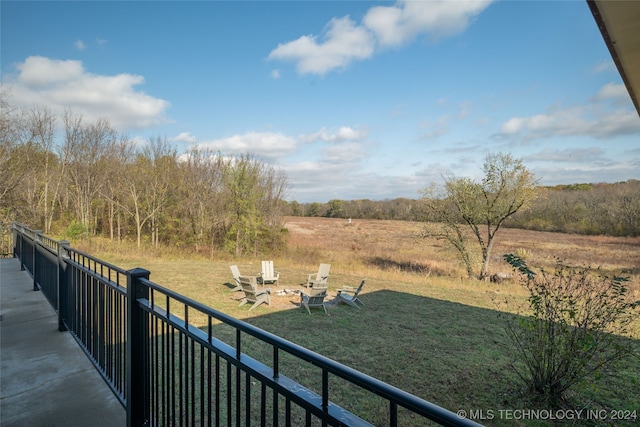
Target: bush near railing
{"points": [[6, 240]]}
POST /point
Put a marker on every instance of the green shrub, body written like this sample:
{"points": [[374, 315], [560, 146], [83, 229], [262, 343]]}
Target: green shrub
{"points": [[578, 323], [75, 230]]}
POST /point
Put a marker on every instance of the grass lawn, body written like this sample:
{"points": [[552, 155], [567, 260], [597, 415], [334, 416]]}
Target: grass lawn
{"points": [[424, 328]]}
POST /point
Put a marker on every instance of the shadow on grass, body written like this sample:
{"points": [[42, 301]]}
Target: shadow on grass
{"points": [[453, 355], [405, 266], [229, 285], [438, 350]]}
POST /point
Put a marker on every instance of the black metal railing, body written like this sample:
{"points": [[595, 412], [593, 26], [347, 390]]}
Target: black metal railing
{"points": [[166, 371], [94, 309]]}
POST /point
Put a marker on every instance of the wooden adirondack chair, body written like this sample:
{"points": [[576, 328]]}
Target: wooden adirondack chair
{"points": [[349, 295], [236, 277], [252, 294], [268, 276], [315, 299], [321, 277]]}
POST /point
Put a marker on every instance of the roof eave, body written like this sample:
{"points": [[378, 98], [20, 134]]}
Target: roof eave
{"points": [[593, 5]]}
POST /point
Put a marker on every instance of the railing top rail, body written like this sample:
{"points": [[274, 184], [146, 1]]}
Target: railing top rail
{"points": [[24, 229], [46, 242], [94, 260], [50, 244]]}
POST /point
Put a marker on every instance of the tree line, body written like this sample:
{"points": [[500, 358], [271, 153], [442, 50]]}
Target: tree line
{"points": [[597, 209], [71, 177]]}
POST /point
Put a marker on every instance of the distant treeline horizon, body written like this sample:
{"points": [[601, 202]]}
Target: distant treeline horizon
{"points": [[611, 209]]}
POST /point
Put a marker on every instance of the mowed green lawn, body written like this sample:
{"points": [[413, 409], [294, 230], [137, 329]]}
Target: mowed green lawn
{"points": [[440, 338]]}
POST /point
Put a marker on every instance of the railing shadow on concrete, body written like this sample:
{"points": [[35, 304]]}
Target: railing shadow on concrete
{"points": [[166, 371]]}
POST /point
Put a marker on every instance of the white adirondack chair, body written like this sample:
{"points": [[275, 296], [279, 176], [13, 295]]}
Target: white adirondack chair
{"points": [[252, 294], [320, 278], [236, 277], [315, 298], [349, 295], [268, 276]]}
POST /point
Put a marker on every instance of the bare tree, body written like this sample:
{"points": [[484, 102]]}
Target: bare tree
{"points": [[88, 146], [14, 164], [202, 179], [42, 130], [118, 159], [31, 164], [147, 185], [507, 187], [161, 182], [447, 226]]}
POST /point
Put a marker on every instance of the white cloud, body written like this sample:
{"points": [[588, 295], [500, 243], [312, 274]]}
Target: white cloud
{"points": [[79, 44], [612, 90], [139, 141], [587, 155], [437, 128], [275, 74], [614, 123], [572, 121], [59, 84], [346, 181], [465, 109], [608, 115], [263, 144], [343, 41], [345, 133], [347, 152], [585, 172], [185, 137], [402, 22], [334, 165], [605, 67], [38, 71]]}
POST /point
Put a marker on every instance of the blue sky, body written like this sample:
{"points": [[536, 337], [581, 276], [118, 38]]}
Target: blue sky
{"points": [[351, 99]]}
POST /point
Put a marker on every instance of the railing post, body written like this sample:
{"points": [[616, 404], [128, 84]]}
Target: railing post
{"points": [[63, 285], [136, 387], [22, 268], [37, 238], [14, 231]]}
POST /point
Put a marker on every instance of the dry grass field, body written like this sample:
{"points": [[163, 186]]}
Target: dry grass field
{"points": [[426, 328], [395, 242], [391, 251]]}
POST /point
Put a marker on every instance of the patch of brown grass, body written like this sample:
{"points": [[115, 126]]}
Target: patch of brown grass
{"points": [[393, 248]]}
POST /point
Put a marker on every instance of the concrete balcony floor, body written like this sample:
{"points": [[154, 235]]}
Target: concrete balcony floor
{"points": [[45, 377]]}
